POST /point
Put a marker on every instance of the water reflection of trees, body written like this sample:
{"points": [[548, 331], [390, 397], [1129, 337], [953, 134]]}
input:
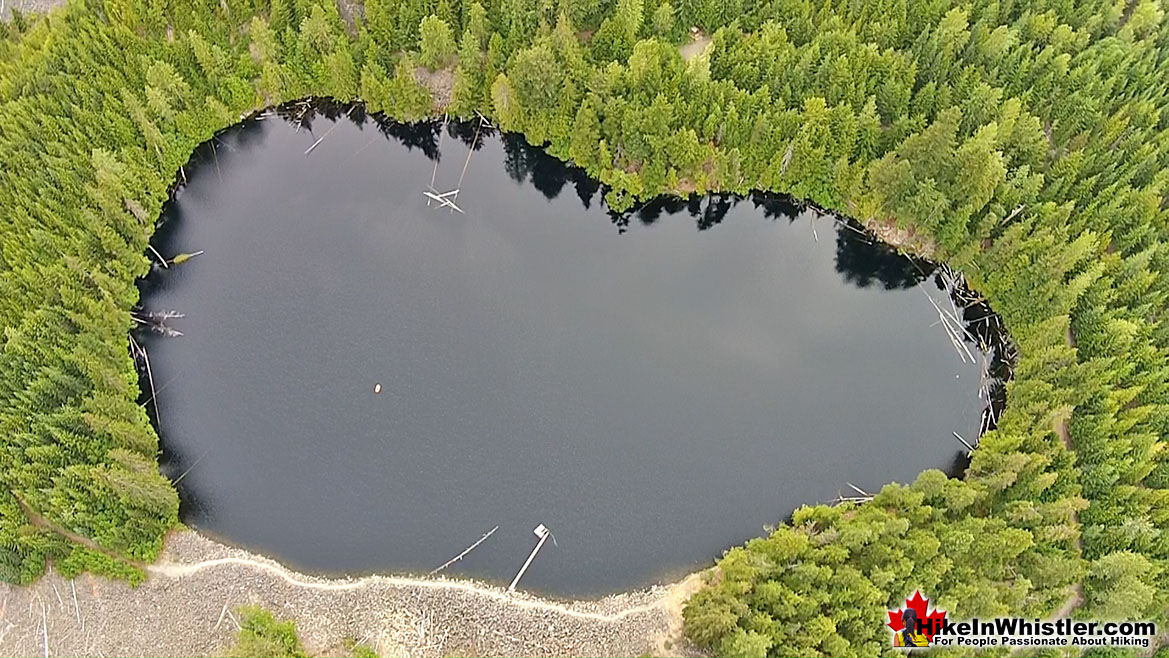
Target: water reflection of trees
{"points": [[422, 136], [864, 261], [526, 163], [860, 259], [425, 136], [706, 211]]}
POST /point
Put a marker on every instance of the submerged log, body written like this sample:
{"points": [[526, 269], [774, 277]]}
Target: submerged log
{"points": [[181, 258], [465, 551], [156, 321]]}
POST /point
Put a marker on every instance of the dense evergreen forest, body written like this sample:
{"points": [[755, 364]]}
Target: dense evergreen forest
{"points": [[1024, 143]]}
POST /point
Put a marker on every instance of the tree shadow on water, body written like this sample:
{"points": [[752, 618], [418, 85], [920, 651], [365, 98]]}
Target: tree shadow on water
{"points": [[865, 261], [422, 136], [860, 258], [525, 163], [775, 206], [473, 134], [706, 211]]}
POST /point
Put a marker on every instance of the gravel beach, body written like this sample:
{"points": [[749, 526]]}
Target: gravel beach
{"points": [[185, 609], [27, 6]]}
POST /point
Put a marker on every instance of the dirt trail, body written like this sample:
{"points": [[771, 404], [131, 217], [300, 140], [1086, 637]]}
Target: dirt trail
{"points": [[185, 608], [1062, 427], [37, 519]]}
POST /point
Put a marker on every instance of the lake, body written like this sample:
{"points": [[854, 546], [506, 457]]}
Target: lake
{"points": [[654, 387]]}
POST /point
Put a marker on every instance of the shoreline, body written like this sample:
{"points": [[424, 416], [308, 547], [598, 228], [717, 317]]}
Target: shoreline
{"points": [[185, 608], [667, 579]]}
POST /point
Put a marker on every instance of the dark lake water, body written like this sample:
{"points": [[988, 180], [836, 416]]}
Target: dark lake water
{"points": [[654, 387]]}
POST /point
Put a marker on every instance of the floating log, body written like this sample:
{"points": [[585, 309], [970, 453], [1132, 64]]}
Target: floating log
{"points": [[859, 490], [156, 320], [191, 467], [444, 200], [959, 437], [465, 551], [149, 377], [438, 156], [179, 259], [469, 152], [543, 533], [158, 256]]}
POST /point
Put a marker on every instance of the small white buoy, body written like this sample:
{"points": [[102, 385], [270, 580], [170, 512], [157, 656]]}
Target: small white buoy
{"points": [[377, 388]]}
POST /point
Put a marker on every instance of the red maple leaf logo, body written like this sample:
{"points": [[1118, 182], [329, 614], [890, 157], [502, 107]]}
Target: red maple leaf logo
{"points": [[919, 605]]}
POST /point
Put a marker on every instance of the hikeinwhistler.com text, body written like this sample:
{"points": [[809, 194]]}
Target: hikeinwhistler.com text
{"points": [[1019, 632]]}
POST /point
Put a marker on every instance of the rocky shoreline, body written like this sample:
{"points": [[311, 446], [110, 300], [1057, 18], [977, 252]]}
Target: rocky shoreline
{"points": [[184, 609]]}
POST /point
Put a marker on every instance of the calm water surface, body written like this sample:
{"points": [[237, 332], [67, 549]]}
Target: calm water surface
{"points": [[654, 388]]}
